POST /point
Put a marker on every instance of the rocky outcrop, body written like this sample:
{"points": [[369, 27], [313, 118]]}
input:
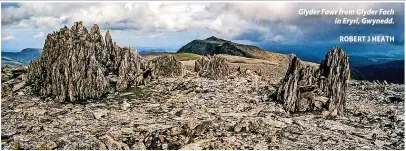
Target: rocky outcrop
{"points": [[76, 65], [214, 45], [299, 78], [334, 76], [306, 87], [288, 91], [214, 67], [12, 80], [165, 66]]}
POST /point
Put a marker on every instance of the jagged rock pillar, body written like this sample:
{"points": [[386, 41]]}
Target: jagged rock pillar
{"points": [[334, 76], [288, 91], [306, 88]]}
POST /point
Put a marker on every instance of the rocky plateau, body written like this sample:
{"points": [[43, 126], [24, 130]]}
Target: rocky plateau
{"points": [[97, 95]]}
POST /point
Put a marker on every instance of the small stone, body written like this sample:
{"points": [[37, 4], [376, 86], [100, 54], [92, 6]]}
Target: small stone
{"points": [[18, 86], [111, 144], [237, 128], [48, 145], [325, 113], [272, 139], [20, 93], [366, 147], [98, 114], [275, 123], [191, 124], [176, 131], [379, 144], [199, 145], [138, 146], [125, 105]]}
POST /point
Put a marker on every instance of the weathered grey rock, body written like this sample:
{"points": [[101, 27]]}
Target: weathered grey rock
{"points": [[288, 91], [74, 65], [334, 76], [48, 145], [138, 146], [5, 89], [129, 69], [305, 88], [111, 144], [8, 73], [18, 86], [13, 79], [299, 78], [125, 105], [165, 66], [214, 67], [152, 123], [98, 114]]}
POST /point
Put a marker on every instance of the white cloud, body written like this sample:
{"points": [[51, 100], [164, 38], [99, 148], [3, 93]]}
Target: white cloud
{"points": [[226, 19], [8, 37], [156, 35], [39, 35]]}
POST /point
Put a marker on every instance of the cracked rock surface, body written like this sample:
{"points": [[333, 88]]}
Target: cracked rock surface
{"points": [[86, 92], [192, 112]]}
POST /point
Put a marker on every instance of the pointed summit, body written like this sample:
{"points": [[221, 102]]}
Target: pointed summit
{"points": [[212, 38], [108, 40], [95, 29]]}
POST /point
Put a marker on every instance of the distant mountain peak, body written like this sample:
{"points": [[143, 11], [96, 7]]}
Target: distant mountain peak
{"points": [[23, 57], [214, 45], [213, 38]]}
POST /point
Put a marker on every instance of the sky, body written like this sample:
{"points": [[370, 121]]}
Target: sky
{"points": [[170, 25]]}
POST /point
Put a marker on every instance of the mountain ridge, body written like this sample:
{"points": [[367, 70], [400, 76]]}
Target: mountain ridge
{"points": [[392, 71], [213, 45]]}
